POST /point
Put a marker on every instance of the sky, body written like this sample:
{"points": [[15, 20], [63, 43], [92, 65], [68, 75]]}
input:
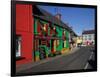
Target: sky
{"points": [[78, 18]]}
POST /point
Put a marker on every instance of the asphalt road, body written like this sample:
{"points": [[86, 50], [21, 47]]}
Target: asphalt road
{"points": [[75, 61]]}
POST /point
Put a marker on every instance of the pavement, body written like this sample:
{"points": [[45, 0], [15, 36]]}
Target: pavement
{"points": [[74, 60]]}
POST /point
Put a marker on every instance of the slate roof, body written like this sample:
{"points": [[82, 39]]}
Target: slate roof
{"points": [[88, 32], [49, 17]]}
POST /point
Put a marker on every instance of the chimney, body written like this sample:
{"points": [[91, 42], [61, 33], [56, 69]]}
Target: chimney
{"points": [[58, 16]]}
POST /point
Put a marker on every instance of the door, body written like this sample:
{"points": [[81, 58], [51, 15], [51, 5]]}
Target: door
{"points": [[42, 53], [53, 45], [42, 49]]}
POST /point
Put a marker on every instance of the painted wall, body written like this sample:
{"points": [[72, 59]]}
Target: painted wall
{"points": [[88, 37], [67, 39], [24, 21], [60, 32], [58, 45]]}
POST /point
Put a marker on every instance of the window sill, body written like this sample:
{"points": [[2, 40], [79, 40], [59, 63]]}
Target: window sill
{"points": [[19, 58]]}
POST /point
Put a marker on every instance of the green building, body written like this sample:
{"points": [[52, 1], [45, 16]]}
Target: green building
{"points": [[50, 33]]}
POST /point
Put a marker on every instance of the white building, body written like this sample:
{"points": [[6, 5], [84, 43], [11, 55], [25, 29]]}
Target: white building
{"points": [[88, 37]]}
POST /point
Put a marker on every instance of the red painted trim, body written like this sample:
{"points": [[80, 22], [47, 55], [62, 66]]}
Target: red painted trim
{"points": [[38, 27]]}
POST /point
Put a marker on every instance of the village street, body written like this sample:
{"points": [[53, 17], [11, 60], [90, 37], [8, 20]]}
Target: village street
{"points": [[74, 61]]}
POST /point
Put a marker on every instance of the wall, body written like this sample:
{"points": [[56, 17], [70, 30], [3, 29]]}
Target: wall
{"points": [[24, 28], [85, 37], [60, 32], [67, 39]]}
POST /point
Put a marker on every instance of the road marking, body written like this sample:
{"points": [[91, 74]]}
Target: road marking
{"points": [[90, 57], [86, 66]]}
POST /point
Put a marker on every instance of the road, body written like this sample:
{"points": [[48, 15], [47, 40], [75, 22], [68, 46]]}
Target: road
{"points": [[75, 61]]}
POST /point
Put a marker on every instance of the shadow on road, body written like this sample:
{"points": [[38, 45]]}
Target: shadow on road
{"points": [[92, 63]]}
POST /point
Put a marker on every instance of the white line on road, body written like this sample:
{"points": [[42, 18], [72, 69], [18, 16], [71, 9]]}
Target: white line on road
{"points": [[86, 66], [90, 56]]}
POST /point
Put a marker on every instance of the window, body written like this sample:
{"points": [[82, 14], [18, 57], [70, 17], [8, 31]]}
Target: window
{"points": [[85, 36], [64, 32], [57, 42], [44, 27], [90, 38], [64, 43], [18, 46]]}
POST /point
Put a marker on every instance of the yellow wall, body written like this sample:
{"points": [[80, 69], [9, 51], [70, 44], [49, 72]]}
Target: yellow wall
{"points": [[79, 39]]}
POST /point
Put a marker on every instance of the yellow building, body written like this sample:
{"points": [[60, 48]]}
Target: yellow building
{"points": [[79, 40]]}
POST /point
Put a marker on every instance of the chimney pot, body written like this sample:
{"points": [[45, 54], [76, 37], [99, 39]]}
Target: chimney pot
{"points": [[58, 16]]}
